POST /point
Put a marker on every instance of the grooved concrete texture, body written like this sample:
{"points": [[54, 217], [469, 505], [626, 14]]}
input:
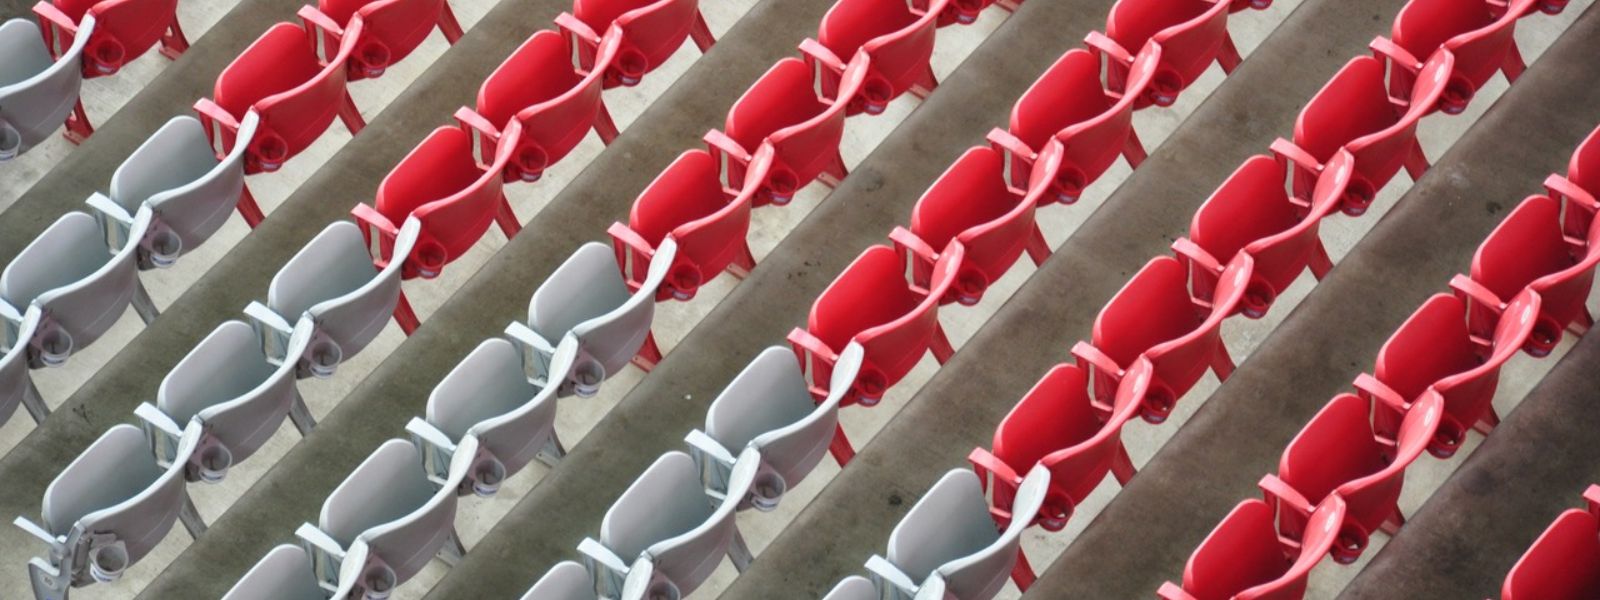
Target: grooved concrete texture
{"points": [[1474, 528]]}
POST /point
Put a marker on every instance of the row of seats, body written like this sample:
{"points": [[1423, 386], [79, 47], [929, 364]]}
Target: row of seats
{"points": [[1564, 563], [1339, 480], [74, 40], [1162, 331]]}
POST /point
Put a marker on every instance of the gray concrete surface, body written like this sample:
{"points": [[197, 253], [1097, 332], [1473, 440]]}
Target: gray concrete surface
{"points": [[1474, 528], [1147, 532]]}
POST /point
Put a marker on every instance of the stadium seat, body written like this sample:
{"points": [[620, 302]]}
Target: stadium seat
{"points": [[1252, 212], [1354, 111], [1058, 426], [16, 385], [391, 29], [1155, 316], [332, 282], [384, 522], [553, 92], [898, 39], [854, 587], [124, 30], [488, 397], [189, 191], [895, 322], [565, 581], [238, 399], [709, 223], [587, 298], [1435, 350], [1578, 189], [787, 110], [80, 286], [105, 512], [972, 204], [441, 185], [1477, 32], [1564, 563], [283, 574], [37, 94], [1192, 34], [948, 547], [1092, 125], [768, 407], [1339, 452], [1243, 558], [652, 30], [1528, 250], [664, 536], [296, 92]]}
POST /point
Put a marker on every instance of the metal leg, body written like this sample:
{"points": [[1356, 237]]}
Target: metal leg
{"points": [[301, 415], [453, 550], [142, 303], [553, 451], [32, 401], [739, 552], [190, 516]]}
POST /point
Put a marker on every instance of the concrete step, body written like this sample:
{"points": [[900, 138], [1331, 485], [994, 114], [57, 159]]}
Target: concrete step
{"points": [[1145, 535], [1469, 533]]}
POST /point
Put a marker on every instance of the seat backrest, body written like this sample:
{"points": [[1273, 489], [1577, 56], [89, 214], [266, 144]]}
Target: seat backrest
{"points": [[64, 253], [1321, 534], [1527, 245], [1054, 415], [808, 145], [689, 558], [1250, 205], [794, 449], [1432, 344], [1563, 564], [281, 64], [1068, 92], [768, 394], [385, 487], [1584, 168], [971, 202], [488, 383], [982, 573], [687, 201], [665, 501], [354, 318], [283, 574], [136, 25], [225, 365], [1335, 447], [869, 292], [565, 581], [441, 184], [302, 112], [400, 25], [124, 491], [406, 544], [1242, 552], [1380, 154], [949, 522], [1371, 499], [850, 24], [584, 287], [556, 124], [245, 422], [1153, 307], [78, 283], [854, 587], [615, 337], [36, 95], [1469, 30], [539, 70], [893, 348], [1091, 145], [14, 378], [1354, 103], [781, 97], [514, 436], [1190, 32], [178, 175], [1469, 394]]}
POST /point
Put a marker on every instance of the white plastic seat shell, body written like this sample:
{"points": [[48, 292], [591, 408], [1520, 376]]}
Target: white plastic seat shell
{"points": [[227, 384], [587, 297], [283, 574], [854, 587], [36, 94], [80, 285], [390, 509], [565, 581]]}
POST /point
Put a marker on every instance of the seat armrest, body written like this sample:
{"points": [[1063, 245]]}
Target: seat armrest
{"points": [[1012, 151], [114, 220], [160, 430], [608, 569], [326, 554], [216, 121], [715, 461], [272, 330], [1171, 591], [536, 351], [1100, 43], [437, 449], [58, 28], [38, 531], [890, 578]]}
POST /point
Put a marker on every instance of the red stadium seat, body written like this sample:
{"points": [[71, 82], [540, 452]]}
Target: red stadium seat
{"points": [[1339, 453], [1192, 34], [124, 30], [1252, 212], [897, 36], [1528, 251], [1477, 32], [1354, 111], [391, 30], [1580, 186], [1243, 559], [297, 95], [553, 92], [1093, 125], [965, 12], [1564, 563], [895, 321], [1434, 349], [785, 108], [709, 222], [994, 221], [1059, 425], [1156, 316], [454, 197], [652, 30]]}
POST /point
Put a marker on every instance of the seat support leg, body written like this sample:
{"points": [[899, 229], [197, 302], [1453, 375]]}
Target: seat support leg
{"points": [[507, 219], [248, 209], [190, 517], [925, 83], [553, 450], [1513, 65], [840, 446], [174, 42], [604, 126], [1133, 149], [701, 33], [448, 25], [940, 346], [649, 354], [1221, 363], [350, 115], [404, 316], [78, 127], [142, 304], [739, 552], [1416, 161], [1022, 574], [453, 550], [1122, 465], [1038, 247], [834, 172], [300, 415], [1319, 262], [1228, 57], [34, 402]]}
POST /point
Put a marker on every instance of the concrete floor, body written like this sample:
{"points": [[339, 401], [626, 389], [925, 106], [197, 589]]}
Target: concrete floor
{"points": [[526, 528]]}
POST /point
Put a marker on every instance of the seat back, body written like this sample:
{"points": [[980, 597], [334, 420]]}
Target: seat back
{"points": [[1584, 168], [794, 449], [1153, 307], [228, 384], [1529, 246], [584, 287], [1068, 92], [651, 33], [116, 487], [37, 95], [1320, 537], [973, 204], [1249, 207], [1191, 33], [615, 337], [1432, 344], [854, 587], [1336, 447], [407, 543], [1179, 362], [513, 436], [949, 522], [689, 558], [178, 175], [441, 184], [125, 30], [78, 284], [782, 97], [894, 347], [1092, 145], [687, 202], [539, 70], [331, 265], [805, 147], [1563, 564], [1373, 498], [769, 394], [1469, 394], [354, 318], [1379, 155], [1469, 30], [1243, 559], [565, 581], [297, 95], [665, 501], [390, 28], [14, 379], [982, 573], [1355, 105], [283, 574], [553, 126], [899, 40], [386, 487], [1055, 415]]}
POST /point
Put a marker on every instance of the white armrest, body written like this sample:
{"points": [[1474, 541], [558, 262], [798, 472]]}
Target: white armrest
{"points": [[160, 430], [608, 569], [38, 531], [437, 449], [113, 219], [272, 329], [536, 352], [886, 575], [326, 554], [715, 461]]}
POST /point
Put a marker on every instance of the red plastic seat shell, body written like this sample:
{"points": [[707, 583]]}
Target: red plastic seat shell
{"points": [[280, 77]]}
